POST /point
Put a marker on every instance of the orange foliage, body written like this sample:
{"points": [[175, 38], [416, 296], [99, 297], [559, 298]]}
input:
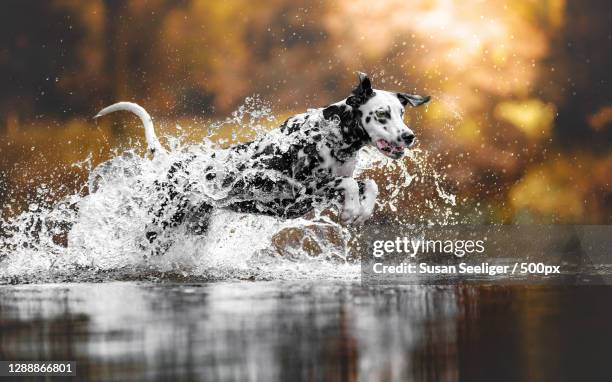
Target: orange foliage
{"points": [[496, 71]]}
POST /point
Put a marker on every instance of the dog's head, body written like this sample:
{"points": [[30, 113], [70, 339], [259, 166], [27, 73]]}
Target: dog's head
{"points": [[382, 116]]}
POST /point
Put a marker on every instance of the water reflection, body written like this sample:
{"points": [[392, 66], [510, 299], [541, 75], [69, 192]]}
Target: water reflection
{"points": [[309, 331]]}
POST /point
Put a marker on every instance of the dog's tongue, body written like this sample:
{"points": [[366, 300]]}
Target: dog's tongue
{"points": [[383, 145]]}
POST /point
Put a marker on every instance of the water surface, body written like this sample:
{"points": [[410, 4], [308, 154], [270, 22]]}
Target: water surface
{"points": [[306, 330]]}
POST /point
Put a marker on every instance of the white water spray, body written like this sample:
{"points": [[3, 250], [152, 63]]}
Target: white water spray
{"points": [[100, 234]]}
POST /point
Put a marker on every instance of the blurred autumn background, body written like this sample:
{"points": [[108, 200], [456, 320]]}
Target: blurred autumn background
{"points": [[520, 121]]}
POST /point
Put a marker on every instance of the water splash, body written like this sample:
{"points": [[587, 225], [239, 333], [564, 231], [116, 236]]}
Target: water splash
{"points": [[98, 232]]}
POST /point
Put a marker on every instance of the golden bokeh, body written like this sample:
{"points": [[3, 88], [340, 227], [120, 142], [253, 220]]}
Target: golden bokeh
{"points": [[519, 121]]}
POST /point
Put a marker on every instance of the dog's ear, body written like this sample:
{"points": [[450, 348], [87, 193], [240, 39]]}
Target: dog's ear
{"points": [[362, 92], [364, 88], [412, 99]]}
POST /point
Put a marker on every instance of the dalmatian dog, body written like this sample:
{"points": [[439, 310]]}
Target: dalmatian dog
{"points": [[308, 161]]}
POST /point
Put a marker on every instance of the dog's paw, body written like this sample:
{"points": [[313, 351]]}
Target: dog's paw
{"points": [[350, 211], [351, 208], [349, 215], [367, 201]]}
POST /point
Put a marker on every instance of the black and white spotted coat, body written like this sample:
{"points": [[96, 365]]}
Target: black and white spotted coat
{"points": [[308, 161]]}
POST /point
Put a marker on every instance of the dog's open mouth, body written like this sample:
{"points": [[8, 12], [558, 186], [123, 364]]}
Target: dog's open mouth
{"points": [[389, 149]]}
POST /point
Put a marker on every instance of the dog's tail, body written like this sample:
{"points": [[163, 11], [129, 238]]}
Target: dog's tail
{"points": [[153, 145]]}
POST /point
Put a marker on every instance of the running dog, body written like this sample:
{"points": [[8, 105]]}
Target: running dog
{"points": [[308, 161]]}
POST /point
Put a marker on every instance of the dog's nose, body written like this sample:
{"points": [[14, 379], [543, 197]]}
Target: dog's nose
{"points": [[407, 138]]}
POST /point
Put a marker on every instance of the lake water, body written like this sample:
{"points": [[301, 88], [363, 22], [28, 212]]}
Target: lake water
{"points": [[310, 330]]}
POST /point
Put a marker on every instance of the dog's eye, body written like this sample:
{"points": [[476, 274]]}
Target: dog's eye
{"points": [[381, 114]]}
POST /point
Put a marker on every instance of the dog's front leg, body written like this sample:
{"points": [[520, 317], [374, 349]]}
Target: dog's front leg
{"points": [[368, 192], [358, 198], [347, 190]]}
